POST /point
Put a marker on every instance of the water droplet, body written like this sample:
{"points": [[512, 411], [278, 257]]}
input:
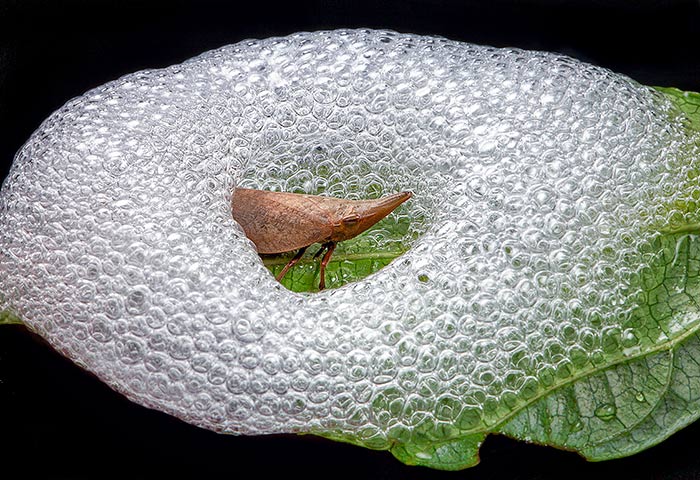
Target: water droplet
{"points": [[629, 339], [639, 397], [606, 412]]}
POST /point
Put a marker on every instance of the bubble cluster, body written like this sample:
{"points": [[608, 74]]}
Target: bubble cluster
{"points": [[539, 184]]}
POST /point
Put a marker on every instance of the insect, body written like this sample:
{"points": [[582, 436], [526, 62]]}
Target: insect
{"points": [[278, 222]]}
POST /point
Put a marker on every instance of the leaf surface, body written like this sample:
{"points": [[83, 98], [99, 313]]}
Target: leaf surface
{"points": [[352, 260], [654, 390], [6, 318]]}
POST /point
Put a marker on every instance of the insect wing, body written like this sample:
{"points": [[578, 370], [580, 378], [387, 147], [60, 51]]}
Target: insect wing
{"points": [[279, 222]]}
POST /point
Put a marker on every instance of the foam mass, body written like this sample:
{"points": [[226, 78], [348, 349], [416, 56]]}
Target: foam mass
{"points": [[544, 189]]}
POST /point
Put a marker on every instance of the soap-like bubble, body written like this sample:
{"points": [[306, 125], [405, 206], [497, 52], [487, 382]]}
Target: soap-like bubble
{"points": [[539, 183]]}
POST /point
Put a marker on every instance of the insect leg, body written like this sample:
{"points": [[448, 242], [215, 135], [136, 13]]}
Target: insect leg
{"points": [[291, 263], [320, 251], [330, 246]]}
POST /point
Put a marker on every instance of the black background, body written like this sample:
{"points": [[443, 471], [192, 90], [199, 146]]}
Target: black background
{"points": [[57, 421]]}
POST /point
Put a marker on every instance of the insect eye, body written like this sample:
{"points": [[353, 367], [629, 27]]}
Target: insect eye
{"points": [[351, 219]]}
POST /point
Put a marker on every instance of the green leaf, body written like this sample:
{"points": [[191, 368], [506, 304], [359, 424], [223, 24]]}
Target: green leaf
{"points": [[343, 268], [6, 318], [351, 261], [453, 455], [687, 102], [652, 389]]}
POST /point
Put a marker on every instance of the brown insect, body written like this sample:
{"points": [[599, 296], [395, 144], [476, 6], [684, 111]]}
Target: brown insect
{"points": [[278, 222]]}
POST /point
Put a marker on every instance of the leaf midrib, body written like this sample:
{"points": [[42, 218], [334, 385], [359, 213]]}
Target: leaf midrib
{"points": [[664, 346]]}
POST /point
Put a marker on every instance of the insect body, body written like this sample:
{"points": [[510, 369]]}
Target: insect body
{"points": [[278, 222]]}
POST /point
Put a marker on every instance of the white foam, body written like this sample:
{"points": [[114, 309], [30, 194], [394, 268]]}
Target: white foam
{"points": [[536, 181]]}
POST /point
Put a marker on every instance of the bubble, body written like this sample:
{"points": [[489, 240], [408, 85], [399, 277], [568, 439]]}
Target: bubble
{"points": [[538, 185]]}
